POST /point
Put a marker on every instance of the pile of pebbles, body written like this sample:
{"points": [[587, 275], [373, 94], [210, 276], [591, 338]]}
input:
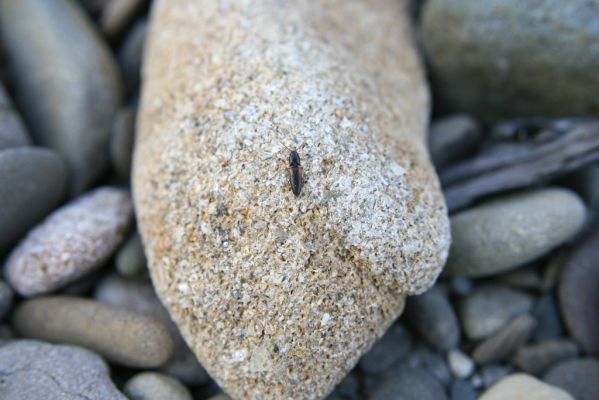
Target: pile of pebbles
{"points": [[515, 311]]}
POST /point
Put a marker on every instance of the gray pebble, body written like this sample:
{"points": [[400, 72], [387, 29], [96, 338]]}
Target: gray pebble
{"points": [[490, 307], [117, 15], [491, 374], [12, 130], [586, 183], [536, 358], [122, 336], [500, 58], [130, 259], [461, 285], [522, 278], [6, 297], [577, 376], [33, 370], [348, 388], [409, 384], [121, 141], [155, 386], [452, 137], [130, 55], [394, 345], [432, 362], [549, 323], [32, 183], [462, 390], [67, 83], [502, 344], [460, 364], [509, 231], [432, 315]]}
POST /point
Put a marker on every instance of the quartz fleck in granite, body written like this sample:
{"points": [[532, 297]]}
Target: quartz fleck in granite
{"points": [[279, 295]]}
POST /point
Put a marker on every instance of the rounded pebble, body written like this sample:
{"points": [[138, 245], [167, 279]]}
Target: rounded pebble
{"points": [[118, 14], [506, 341], [121, 141], [122, 336], [408, 384], [509, 231], [71, 242], [395, 344], [577, 376], [460, 364], [462, 390], [32, 183], [155, 386], [452, 137], [130, 259], [578, 293], [536, 358], [130, 55], [6, 298], [12, 129], [523, 386]]}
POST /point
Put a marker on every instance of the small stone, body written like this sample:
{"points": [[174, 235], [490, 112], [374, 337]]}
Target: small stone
{"points": [[130, 55], [536, 358], [32, 183], [462, 390], [130, 259], [122, 336], [74, 240], [460, 364], [12, 129], [511, 230], [409, 384], [155, 386], [586, 183], [433, 318], [490, 307], [121, 141], [577, 376], [502, 344], [491, 374], [34, 370], [578, 293], [452, 137], [523, 386], [6, 297], [394, 345], [461, 286], [117, 15], [70, 110], [432, 362], [549, 322]]}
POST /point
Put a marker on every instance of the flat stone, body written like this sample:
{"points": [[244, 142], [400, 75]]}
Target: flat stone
{"points": [[394, 345], [433, 317], [498, 58], [490, 307], [537, 357], [32, 183], [577, 376], [74, 240], [578, 293], [70, 111], [288, 315], [502, 344], [453, 137], [122, 336], [409, 384], [511, 230], [12, 129], [36, 370], [155, 386], [130, 259], [524, 386], [121, 141]]}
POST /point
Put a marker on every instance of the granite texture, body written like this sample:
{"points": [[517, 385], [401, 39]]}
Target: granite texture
{"points": [[280, 295]]}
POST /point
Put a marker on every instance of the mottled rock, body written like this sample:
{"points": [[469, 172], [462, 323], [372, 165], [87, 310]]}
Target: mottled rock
{"points": [[452, 137], [509, 231], [409, 384], [499, 58], [121, 141], [67, 83], [122, 336], [537, 357], [460, 364], [549, 323], [71, 242], [35, 370], [287, 315], [393, 346], [523, 386], [433, 317], [155, 386], [490, 307], [130, 259], [130, 55], [12, 130], [32, 183], [6, 297], [577, 376], [578, 293], [117, 15], [502, 344]]}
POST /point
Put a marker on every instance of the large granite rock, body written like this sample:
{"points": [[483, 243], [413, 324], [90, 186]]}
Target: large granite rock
{"points": [[279, 295]]}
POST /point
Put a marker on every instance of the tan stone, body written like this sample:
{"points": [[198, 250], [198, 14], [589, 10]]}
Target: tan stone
{"points": [[524, 387], [280, 295]]}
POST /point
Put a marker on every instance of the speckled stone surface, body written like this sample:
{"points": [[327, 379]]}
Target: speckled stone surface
{"points": [[280, 295]]}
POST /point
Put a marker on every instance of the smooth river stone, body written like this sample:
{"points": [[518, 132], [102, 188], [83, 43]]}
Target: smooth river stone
{"points": [[279, 295], [67, 82], [33, 181], [74, 240], [122, 336], [509, 231], [523, 386]]}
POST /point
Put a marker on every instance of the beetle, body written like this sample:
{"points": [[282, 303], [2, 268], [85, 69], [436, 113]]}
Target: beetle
{"points": [[296, 172]]}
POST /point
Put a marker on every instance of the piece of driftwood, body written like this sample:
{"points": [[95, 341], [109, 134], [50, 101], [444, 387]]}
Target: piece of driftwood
{"points": [[523, 153]]}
